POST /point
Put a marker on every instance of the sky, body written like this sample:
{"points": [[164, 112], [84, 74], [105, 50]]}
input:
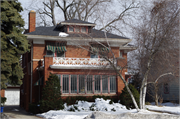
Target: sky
{"points": [[33, 4]]}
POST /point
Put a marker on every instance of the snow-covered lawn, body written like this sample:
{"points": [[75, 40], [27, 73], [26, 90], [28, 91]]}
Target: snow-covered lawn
{"points": [[165, 107], [101, 109]]}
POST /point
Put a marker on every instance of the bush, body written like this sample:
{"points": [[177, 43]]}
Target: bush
{"points": [[125, 97], [34, 108], [51, 95], [3, 100]]}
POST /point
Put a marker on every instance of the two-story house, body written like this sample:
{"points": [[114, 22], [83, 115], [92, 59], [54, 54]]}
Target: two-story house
{"points": [[69, 50]]}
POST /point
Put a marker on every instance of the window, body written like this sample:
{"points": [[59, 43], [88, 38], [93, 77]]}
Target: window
{"points": [[112, 84], [71, 29], [166, 88], [120, 53], [94, 55], [97, 84], [59, 77], [60, 54], [81, 83], [73, 83], [49, 52], [83, 29], [104, 84], [77, 29], [89, 84], [65, 85]]}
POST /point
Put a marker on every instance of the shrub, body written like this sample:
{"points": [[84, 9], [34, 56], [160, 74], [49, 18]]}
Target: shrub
{"points": [[51, 95], [125, 97], [3, 100]]}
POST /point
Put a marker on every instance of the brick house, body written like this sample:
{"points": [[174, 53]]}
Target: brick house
{"points": [[66, 50]]}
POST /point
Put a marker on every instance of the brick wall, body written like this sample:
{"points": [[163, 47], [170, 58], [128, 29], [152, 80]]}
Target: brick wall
{"points": [[32, 21], [39, 52]]}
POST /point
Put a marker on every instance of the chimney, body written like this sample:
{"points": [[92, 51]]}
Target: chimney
{"points": [[32, 21]]}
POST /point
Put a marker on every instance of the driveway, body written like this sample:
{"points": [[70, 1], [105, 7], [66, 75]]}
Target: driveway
{"points": [[16, 112]]}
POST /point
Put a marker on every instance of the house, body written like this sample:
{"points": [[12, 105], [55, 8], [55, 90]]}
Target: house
{"points": [[66, 50]]}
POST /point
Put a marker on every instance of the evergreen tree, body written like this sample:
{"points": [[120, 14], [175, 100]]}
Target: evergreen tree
{"points": [[13, 43], [51, 95], [125, 98]]}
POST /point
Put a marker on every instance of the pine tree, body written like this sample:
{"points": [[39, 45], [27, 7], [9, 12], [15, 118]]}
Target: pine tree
{"points": [[13, 43], [51, 95], [125, 98]]}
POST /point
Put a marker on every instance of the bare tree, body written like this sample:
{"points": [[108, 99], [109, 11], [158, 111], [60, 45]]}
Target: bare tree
{"points": [[87, 10], [157, 33]]}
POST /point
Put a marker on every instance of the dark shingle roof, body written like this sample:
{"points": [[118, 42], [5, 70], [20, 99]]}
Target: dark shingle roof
{"points": [[54, 31]]}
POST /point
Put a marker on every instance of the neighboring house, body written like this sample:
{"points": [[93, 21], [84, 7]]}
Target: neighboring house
{"points": [[57, 50]]}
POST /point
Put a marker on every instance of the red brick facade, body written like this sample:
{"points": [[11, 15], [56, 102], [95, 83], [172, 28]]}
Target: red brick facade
{"points": [[32, 62]]}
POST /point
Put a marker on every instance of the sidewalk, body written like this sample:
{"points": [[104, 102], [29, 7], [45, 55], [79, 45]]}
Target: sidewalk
{"points": [[16, 112]]}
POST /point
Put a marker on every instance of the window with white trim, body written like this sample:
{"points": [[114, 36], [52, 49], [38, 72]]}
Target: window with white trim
{"points": [[104, 84], [73, 83], [97, 85], [81, 83], [112, 84], [89, 84], [65, 84]]}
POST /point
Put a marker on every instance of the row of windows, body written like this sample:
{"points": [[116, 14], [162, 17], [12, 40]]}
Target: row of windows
{"points": [[77, 29], [87, 84]]}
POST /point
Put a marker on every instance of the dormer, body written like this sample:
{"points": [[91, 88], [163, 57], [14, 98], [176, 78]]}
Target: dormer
{"points": [[75, 26]]}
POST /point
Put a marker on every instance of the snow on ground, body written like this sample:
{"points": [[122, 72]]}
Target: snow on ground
{"points": [[165, 107], [102, 109]]}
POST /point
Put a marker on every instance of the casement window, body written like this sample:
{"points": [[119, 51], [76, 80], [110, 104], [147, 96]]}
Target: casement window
{"points": [[104, 84], [81, 83], [112, 84], [97, 85], [89, 83], [65, 85], [73, 83]]}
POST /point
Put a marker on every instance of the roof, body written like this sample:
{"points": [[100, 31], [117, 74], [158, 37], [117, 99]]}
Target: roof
{"points": [[76, 22], [54, 31]]}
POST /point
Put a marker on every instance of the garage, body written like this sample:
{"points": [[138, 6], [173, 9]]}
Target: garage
{"points": [[13, 95]]}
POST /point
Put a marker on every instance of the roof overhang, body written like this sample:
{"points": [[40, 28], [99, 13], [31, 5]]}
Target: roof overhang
{"points": [[80, 67], [76, 24], [40, 39]]}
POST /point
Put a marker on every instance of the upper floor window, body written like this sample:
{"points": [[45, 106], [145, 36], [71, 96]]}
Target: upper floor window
{"points": [[49, 52], [83, 29], [71, 29], [94, 55], [77, 29], [56, 49]]}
